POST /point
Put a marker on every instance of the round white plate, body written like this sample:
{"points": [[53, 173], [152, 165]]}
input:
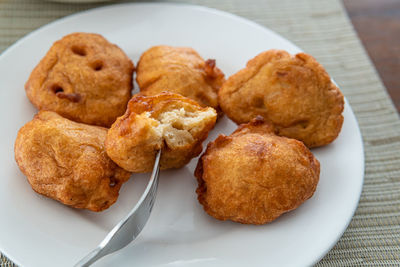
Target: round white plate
{"points": [[37, 231]]}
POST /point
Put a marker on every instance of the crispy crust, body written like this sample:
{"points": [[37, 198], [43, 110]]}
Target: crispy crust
{"points": [[66, 161], [294, 93], [179, 70], [132, 141], [84, 78], [254, 176]]}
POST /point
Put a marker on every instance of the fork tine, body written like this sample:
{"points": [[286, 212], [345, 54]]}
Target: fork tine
{"points": [[131, 226]]}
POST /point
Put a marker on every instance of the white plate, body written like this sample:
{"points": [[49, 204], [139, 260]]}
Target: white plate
{"points": [[37, 231]]}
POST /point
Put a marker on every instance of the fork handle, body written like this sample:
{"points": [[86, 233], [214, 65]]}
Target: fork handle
{"points": [[90, 258]]}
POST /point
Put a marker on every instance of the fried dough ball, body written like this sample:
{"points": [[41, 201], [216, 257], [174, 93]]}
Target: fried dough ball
{"points": [[67, 161], [179, 70], [84, 78], [253, 176], [171, 122], [294, 93]]}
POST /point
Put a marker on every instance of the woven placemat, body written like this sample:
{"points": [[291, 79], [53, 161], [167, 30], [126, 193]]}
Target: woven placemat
{"points": [[322, 29]]}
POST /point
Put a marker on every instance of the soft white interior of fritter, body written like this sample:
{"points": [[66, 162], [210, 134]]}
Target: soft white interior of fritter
{"points": [[178, 126]]}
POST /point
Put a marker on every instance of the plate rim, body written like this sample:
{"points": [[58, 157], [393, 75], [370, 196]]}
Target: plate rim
{"points": [[217, 12]]}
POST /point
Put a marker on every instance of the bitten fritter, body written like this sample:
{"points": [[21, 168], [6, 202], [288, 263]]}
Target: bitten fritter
{"points": [[253, 176], [179, 70], [175, 124], [67, 161], [84, 78], [294, 93]]}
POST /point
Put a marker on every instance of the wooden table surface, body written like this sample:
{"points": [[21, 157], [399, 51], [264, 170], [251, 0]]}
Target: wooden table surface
{"points": [[377, 23]]}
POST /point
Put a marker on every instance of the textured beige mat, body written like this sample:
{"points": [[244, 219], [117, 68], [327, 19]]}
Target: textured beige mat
{"points": [[322, 29]]}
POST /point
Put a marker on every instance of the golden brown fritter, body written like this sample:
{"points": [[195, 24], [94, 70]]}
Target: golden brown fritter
{"points": [[179, 70], [171, 122], [67, 161], [294, 93], [84, 78], [254, 176]]}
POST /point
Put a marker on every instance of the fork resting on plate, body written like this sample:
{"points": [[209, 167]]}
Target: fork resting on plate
{"points": [[129, 227]]}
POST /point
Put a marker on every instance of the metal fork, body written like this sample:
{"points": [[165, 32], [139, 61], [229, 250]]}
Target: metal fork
{"points": [[130, 227]]}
